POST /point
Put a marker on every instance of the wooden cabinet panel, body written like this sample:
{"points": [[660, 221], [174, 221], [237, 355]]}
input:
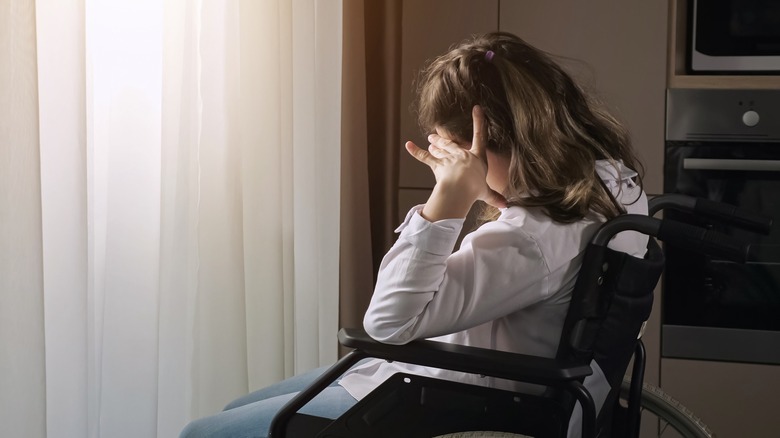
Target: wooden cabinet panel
{"points": [[408, 198], [615, 47], [733, 399]]}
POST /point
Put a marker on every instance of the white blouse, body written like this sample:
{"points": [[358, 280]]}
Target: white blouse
{"points": [[507, 288]]}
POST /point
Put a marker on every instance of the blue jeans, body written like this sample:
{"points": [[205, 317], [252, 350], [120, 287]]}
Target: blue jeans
{"points": [[251, 415]]}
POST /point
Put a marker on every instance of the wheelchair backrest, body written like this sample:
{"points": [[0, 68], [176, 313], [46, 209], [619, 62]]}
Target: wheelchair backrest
{"points": [[611, 300]]}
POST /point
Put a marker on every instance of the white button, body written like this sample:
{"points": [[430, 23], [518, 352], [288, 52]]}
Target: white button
{"points": [[750, 118]]}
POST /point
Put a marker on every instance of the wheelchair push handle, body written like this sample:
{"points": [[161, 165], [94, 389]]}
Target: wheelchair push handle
{"points": [[732, 215], [719, 211], [703, 241], [687, 236]]}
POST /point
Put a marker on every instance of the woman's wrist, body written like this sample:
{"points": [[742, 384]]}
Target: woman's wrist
{"points": [[446, 204]]}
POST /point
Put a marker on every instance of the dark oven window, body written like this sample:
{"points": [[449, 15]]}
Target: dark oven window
{"points": [[707, 292], [738, 27]]}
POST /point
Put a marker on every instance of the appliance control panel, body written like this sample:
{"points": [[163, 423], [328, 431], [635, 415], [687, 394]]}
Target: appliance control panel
{"points": [[722, 115]]}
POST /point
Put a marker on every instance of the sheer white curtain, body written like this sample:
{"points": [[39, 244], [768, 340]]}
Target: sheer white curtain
{"points": [[171, 207]]}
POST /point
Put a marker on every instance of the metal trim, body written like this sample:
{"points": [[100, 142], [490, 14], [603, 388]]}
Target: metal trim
{"points": [[712, 343], [725, 164]]}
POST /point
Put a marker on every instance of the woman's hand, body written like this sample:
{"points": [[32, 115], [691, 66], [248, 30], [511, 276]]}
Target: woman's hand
{"points": [[460, 171]]}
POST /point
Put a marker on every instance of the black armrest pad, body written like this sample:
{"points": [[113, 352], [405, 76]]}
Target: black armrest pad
{"points": [[502, 364]]}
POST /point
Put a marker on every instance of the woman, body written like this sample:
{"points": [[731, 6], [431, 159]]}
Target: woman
{"points": [[508, 127]]}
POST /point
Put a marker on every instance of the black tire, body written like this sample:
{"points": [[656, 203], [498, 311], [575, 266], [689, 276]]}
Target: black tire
{"points": [[671, 411], [654, 400], [482, 434]]}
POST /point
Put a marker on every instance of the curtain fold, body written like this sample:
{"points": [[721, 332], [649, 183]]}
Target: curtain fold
{"points": [[177, 392], [316, 78], [383, 112], [171, 200], [22, 366], [355, 267], [370, 147], [267, 196], [62, 130]]}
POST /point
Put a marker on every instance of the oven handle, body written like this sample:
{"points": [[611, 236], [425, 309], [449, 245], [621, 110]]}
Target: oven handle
{"points": [[721, 164]]}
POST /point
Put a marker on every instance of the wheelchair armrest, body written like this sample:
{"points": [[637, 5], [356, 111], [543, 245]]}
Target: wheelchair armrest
{"points": [[502, 364], [519, 367]]}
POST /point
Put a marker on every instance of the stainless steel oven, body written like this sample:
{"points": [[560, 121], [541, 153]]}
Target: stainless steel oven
{"points": [[724, 145]]}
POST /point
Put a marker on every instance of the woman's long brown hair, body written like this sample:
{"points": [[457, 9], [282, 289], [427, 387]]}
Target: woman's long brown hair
{"points": [[550, 129]]}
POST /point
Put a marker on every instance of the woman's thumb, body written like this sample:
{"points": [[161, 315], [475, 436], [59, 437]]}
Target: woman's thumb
{"points": [[495, 199]]}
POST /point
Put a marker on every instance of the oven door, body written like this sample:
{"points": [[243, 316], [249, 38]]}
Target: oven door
{"points": [[712, 308]]}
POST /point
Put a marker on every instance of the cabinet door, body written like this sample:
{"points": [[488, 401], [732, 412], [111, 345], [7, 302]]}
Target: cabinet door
{"points": [[733, 399], [613, 46]]}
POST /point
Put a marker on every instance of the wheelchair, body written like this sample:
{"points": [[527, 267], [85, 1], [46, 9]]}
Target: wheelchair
{"points": [[611, 302]]}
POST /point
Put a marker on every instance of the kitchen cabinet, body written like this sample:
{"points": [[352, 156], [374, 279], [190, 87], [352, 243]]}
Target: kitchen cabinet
{"points": [[615, 48], [733, 399]]}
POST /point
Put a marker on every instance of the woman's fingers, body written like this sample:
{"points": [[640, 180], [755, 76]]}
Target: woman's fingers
{"points": [[460, 168], [437, 151], [480, 139], [478, 143], [420, 154], [443, 143]]}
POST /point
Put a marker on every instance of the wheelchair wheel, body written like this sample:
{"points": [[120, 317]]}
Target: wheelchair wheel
{"points": [[674, 419], [479, 434]]}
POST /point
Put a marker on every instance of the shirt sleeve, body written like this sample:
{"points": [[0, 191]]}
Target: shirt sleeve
{"points": [[424, 289]]}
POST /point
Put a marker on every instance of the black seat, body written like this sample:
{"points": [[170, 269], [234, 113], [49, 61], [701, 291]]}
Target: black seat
{"points": [[610, 303]]}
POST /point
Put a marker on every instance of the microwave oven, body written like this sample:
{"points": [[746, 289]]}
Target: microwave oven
{"points": [[734, 36]]}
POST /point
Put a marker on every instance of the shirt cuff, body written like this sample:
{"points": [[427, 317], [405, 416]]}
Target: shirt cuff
{"points": [[434, 237]]}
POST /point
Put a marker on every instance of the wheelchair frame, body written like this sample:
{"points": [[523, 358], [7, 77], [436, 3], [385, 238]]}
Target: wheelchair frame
{"points": [[564, 373]]}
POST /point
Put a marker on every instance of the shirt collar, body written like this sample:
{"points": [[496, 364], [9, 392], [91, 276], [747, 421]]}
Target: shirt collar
{"points": [[616, 172]]}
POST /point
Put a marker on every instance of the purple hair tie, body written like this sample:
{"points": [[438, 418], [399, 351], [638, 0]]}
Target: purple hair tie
{"points": [[489, 56]]}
